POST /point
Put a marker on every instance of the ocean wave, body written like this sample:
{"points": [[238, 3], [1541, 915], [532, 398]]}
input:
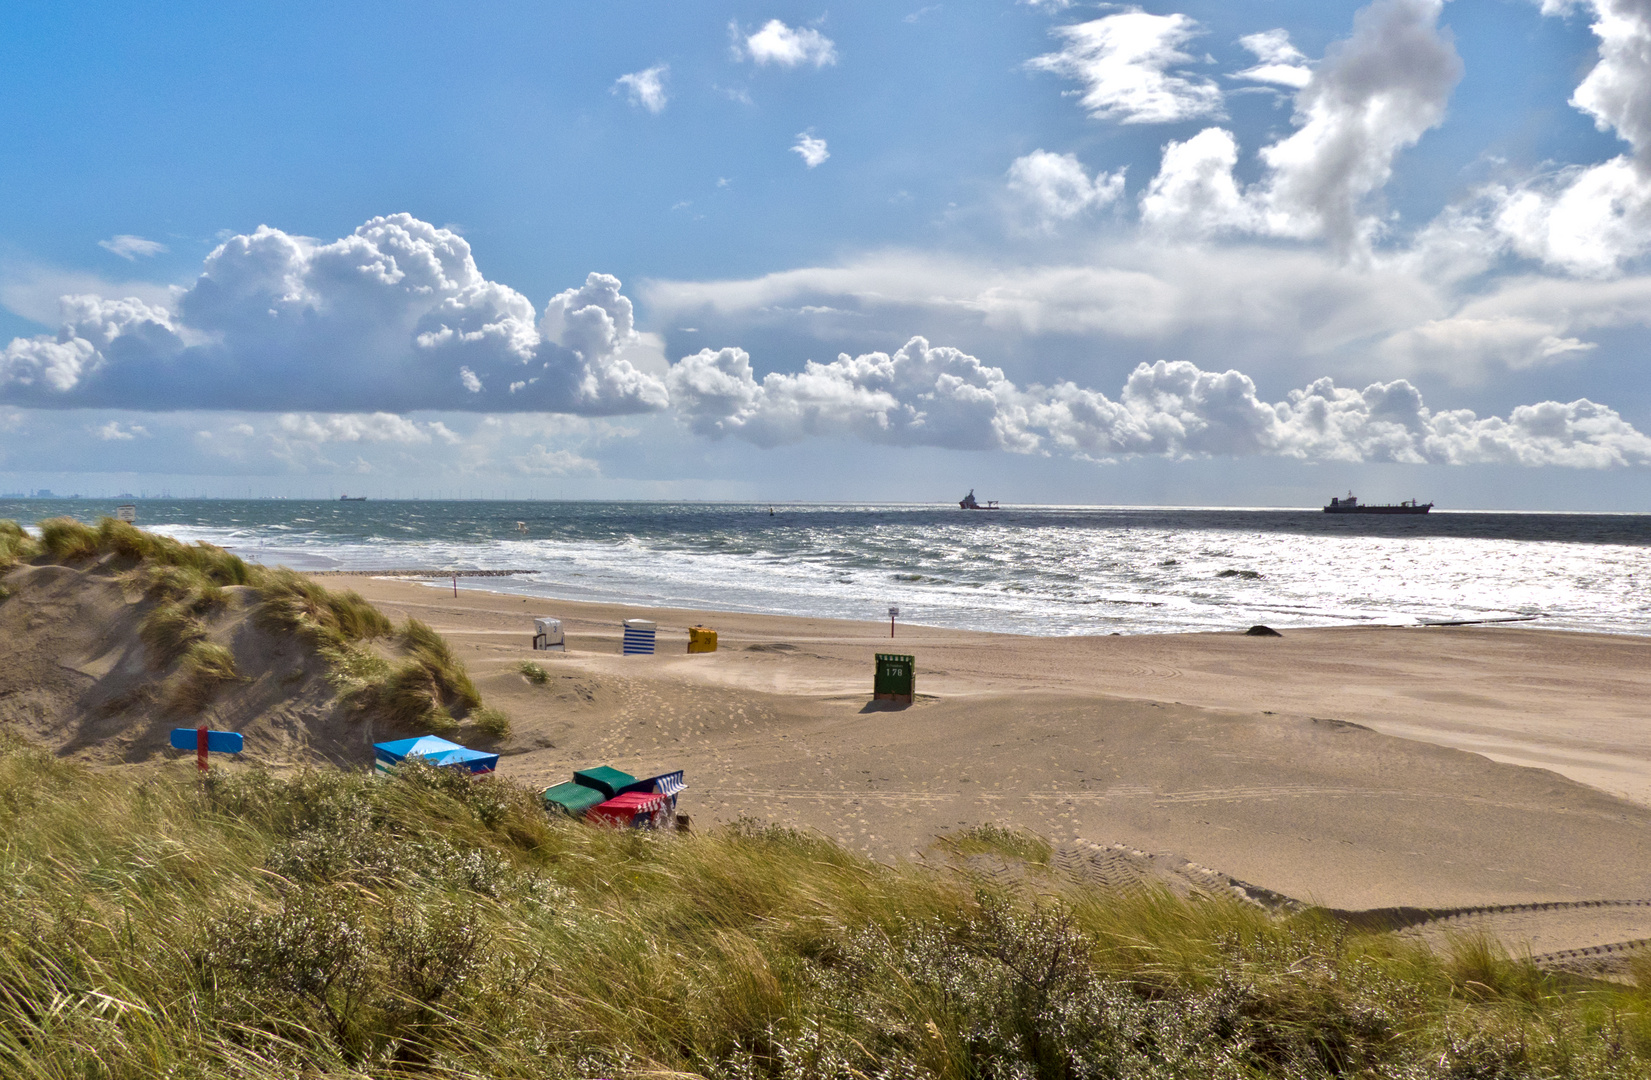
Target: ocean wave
{"points": [[1052, 571]]}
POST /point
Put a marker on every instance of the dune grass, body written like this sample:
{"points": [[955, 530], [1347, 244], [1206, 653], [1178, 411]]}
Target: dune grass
{"points": [[15, 545], [1005, 841], [533, 673], [490, 722], [293, 603], [424, 688], [205, 669], [325, 924]]}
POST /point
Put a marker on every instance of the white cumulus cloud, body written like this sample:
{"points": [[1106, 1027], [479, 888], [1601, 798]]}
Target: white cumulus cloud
{"points": [[130, 247], [646, 88], [378, 427], [1194, 191], [783, 46], [1373, 95], [920, 396], [926, 395], [1124, 63], [1057, 187], [1590, 220], [1280, 62], [811, 149], [395, 316]]}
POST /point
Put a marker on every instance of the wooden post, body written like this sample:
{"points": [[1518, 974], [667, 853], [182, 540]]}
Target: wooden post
{"points": [[200, 748], [893, 611], [455, 586]]}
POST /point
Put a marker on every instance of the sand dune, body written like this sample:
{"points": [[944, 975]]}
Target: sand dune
{"points": [[76, 676]]}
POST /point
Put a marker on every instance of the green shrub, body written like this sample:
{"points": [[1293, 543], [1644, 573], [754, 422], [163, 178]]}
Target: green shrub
{"points": [[302, 967], [533, 673]]}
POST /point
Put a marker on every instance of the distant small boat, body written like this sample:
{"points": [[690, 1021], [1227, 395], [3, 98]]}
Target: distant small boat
{"points": [[968, 502], [352, 498], [1351, 505]]}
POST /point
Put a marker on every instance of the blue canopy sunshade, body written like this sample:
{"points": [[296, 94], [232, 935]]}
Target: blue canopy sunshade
{"points": [[435, 750]]}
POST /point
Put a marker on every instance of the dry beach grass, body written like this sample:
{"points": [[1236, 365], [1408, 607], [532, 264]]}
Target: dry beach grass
{"points": [[327, 924]]}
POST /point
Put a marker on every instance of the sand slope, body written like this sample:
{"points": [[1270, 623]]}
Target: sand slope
{"points": [[74, 675]]}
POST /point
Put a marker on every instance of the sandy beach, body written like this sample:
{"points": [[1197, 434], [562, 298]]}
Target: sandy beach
{"points": [[1443, 767]]}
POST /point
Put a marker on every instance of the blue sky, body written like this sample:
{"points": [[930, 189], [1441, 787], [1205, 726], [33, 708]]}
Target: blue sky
{"points": [[1224, 254]]}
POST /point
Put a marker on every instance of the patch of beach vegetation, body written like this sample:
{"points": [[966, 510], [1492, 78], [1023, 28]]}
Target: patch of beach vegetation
{"points": [[1005, 841], [331, 924]]}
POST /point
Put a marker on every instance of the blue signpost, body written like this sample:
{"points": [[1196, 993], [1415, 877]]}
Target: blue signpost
{"points": [[202, 740]]}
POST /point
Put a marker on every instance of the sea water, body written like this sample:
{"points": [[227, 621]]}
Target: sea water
{"points": [[1029, 570]]}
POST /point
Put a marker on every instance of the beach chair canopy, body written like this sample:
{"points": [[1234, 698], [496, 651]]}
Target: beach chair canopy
{"points": [[636, 809], [668, 784], [609, 781], [573, 799], [435, 750]]}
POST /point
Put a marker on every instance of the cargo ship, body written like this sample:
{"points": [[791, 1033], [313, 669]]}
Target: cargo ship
{"points": [[1351, 505], [968, 502]]}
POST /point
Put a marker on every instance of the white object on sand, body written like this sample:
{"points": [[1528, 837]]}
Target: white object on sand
{"points": [[547, 633]]}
